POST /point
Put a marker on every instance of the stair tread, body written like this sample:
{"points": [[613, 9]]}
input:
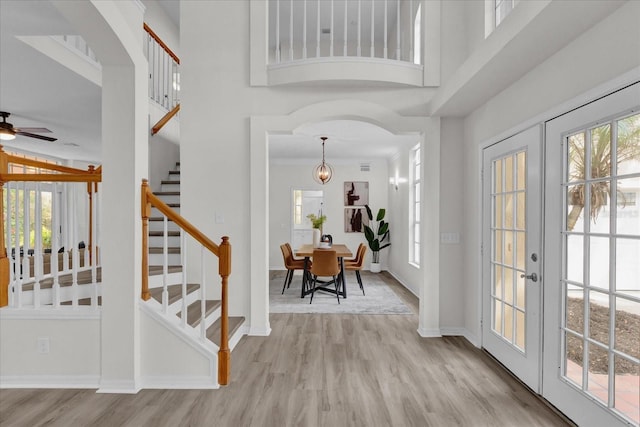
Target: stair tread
{"points": [[159, 218], [194, 311], [160, 250], [170, 233], [82, 301], [175, 292], [213, 331], [167, 193], [174, 172], [84, 278], [169, 182], [156, 270]]}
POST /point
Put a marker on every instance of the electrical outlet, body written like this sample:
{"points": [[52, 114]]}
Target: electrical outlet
{"points": [[43, 345]]}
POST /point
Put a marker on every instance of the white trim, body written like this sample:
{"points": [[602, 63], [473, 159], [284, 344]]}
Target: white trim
{"points": [[119, 386], [255, 331], [429, 333], [49, 381], [179, 382]]}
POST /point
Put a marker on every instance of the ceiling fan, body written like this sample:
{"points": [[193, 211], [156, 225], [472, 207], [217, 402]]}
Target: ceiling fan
{"points": [[8, 132]]}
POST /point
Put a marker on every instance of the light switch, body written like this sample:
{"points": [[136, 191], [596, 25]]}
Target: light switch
{"points": [[450, 238]]}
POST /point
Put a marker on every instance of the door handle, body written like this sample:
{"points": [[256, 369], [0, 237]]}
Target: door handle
{"points": [[532, 276]]}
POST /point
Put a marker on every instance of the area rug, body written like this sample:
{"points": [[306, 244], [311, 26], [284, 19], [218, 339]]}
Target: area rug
{"points": [[379, 298]]}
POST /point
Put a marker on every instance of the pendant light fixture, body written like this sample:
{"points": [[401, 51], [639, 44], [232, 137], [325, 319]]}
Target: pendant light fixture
{"points": [[323, 172]]}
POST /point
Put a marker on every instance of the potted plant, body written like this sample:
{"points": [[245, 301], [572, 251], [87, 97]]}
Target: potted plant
{"points": [[376, 236], [316, 223]]}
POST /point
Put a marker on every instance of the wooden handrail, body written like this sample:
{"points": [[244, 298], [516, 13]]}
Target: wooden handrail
{"points": [[163, 121], [67, 174], [161, 43], [222, 251]]}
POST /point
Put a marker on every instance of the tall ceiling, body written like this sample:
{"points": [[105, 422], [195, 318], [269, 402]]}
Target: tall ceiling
{"points": [[40, 92]]}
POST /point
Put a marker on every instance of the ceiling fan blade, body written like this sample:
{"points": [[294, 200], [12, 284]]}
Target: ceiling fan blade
{"points": [[36, 130], [33, 135]]}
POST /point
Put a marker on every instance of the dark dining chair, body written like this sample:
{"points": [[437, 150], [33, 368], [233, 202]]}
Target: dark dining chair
{"points": [[325, 264], [356, 264], [291, 264]]}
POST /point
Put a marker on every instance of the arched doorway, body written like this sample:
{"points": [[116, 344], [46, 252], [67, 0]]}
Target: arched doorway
{"points": [[262, 127]]}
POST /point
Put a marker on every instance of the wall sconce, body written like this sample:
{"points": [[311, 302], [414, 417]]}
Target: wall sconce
{"points": [[396, 180]]}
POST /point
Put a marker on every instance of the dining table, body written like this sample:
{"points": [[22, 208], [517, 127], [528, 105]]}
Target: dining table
{"points": [[306, 251]]}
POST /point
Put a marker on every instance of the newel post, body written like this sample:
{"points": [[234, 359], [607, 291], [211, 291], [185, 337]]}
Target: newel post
{"points": [[146, 213], [224, 354], [4, 261]]}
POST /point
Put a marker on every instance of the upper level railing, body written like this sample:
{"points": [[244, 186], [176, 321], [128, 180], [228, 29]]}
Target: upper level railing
{"points": [[310, 30], [38, 256], [164, 73], [221, 251]]}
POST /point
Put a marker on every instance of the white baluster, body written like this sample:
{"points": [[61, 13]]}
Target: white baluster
{"points": [[203, 297], [18, 262], [359, 49], [291, 31], [304, 30], [94, 246], [373, 36], [318, 31], [7, 238], [183, 252], [277, 31], [165, 264], [331, 29], [26, 223], [55, 245], [385, 28], [75, 252], [37, 253], [346, 21], [398, 57]]}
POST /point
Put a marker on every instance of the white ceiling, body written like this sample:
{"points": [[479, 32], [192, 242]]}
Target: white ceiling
{"points": [[40, 92]]}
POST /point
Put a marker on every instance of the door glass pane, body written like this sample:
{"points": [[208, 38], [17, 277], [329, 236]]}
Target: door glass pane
{"points": [[627, 266], [598, 375], [599, 267], [574, 351], [628, 145], [575, 309], [628, 206], [575, 208], [627, 388], [576, 157], [575, 258], [509, 247], [599, 317], [627, 328], [601, 151]]}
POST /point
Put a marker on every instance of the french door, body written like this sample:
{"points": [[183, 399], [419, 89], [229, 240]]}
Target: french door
{"points": [[511, 256], [591, 363]]}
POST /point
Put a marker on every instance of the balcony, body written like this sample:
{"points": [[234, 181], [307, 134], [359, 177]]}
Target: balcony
{"points": [[306, 41]]}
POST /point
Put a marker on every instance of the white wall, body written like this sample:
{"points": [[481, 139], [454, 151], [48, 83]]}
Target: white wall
{"points": [[602, 53], [283, 178], [73, 359], [215, 143]]}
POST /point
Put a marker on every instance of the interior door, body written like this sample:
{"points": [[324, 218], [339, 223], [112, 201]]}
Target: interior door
{"points": [[511, 258], [592, 268]]}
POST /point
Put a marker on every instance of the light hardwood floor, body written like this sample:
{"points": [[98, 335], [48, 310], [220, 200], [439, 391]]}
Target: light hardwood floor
{"points": [[316, 370]]}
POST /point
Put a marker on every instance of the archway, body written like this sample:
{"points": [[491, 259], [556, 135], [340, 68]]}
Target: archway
{"points": [[263, 126]]}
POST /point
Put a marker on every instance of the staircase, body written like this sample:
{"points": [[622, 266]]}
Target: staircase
{"points": [[182, 306]]}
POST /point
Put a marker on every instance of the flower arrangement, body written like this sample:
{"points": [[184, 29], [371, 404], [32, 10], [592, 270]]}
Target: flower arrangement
{"points": [[317, 221]]}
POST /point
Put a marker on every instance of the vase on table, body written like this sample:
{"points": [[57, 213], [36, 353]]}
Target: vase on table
{"points": [[316, 237]]}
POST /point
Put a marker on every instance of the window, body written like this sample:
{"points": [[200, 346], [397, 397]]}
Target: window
{"points": [[495, 12], [417, 36], [414, 211]]}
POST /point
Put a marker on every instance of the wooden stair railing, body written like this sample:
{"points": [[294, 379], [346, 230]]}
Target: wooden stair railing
{"points": [[57, 173], [164, 120], [222, 251], [173, 111]]}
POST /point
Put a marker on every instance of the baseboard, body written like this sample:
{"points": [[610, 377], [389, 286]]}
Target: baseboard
{"points": [[50, 313], [473, 339], [429, 333], [180, 382], [461, 332], [402, 283], [262, 331], [119, 387], [50, 381]]}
